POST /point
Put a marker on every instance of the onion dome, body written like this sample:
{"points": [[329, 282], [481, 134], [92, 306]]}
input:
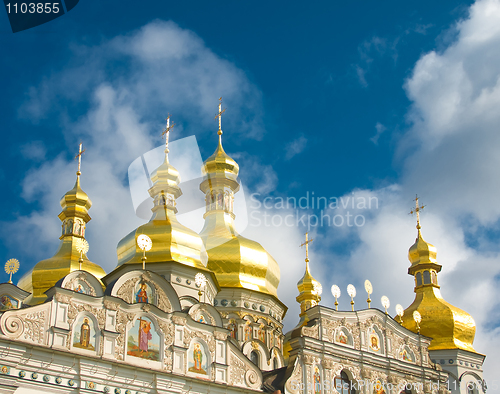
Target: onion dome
{"points": [[309, 288], [171, 240], [309, 291], [236, 261], [448, 326], [74, 216]]}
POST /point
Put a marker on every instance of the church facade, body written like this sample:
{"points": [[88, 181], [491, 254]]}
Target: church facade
{"points": [[199, 313]]}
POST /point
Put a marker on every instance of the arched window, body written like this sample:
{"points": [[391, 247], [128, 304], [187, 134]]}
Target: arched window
{"points": [[343, 384], [427, 277], [419, 279], [254, 357]]}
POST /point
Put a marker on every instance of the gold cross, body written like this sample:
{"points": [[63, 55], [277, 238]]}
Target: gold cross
{"points": [[219, 115], [306, 244], [79, 157], [417, 211], [166, 131]]}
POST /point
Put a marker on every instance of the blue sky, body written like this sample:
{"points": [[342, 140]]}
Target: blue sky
{"points": [[343, 99]]}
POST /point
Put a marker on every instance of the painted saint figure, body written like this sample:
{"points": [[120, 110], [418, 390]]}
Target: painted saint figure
{"points": [[405, 356], [374, 342], [232, 328], [248, 331], [317, 381], [6, 303], [144, 335], [80, 289], [262, 333], [142, 295], [85, 333], [342, 338], [197, 357]]}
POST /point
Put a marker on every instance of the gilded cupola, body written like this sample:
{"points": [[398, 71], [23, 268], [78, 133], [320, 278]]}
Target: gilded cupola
{"points": [[449, 326], [237, 261], [171, 240], [309, 288], [74, 217]]}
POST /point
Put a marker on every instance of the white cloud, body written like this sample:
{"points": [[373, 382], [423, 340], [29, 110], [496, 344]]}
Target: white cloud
{"points": [[295, 147], [449, 156], [380, 128], [126, 85], [34, 150]]}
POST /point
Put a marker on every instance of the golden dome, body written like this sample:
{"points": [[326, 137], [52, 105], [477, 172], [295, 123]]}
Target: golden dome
{"points": [[448, 326], [309, 294], [171, 240], [236, 261], [421, 251], [221, 162], [46, 273]]}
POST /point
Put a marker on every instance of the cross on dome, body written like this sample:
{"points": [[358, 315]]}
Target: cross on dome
{"points": [[306, 244], [166, 132], [219, 115], [417, 211], [79, 157]]}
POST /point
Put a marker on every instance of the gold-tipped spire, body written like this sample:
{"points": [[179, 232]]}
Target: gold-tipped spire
{"points": [[449, 326], [309, 288], [166, 133], [171, 240], [219, 115], [79, 157], [238, 262], [74, 217], [416, 211], [306, 244]]}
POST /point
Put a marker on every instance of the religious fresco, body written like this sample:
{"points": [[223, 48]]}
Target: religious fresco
{"points": [[317, 381], [247, 329], [262, 333], [7, 302], [233, 329], [143, 293], [405, 355], [202, 319], [343, 337], [84, 334], [374, 340], [81, 288], [197, 359], [143, 341]]}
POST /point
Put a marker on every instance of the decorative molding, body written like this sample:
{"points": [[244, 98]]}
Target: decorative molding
{"points": [[179, 320], [62, 298], [126, 290], [236, 371], [74, 309], [312, 332], [111, 305]]}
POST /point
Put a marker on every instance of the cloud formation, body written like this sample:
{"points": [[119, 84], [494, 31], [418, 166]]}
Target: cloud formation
{"points": [[118, 89]]}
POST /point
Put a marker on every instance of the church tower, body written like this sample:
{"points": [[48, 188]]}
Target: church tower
{"points": [[247, 274], [177, 252], [452, 330], [309, 288], [74, 216]]}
